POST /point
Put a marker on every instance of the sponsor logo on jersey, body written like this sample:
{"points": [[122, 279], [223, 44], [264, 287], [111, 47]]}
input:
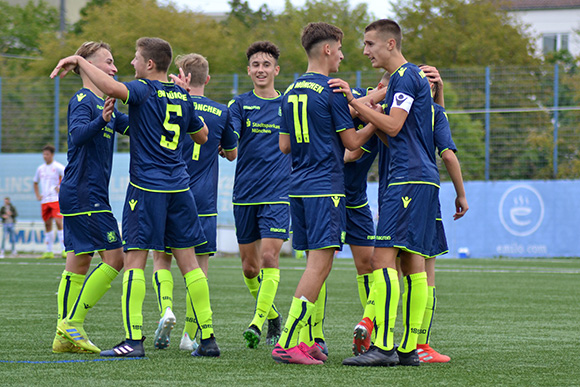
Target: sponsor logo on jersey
{"points": [[81, 96]]}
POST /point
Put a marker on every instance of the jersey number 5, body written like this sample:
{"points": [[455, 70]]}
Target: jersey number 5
{"points": [[171, 127], [300, 124]]}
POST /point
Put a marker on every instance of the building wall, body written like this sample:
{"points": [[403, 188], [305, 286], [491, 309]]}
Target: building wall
{"points": [[552, 22], [72, 7]]}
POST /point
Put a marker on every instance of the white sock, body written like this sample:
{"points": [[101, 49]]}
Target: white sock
{"points": [[60, 234], [49, 240]]}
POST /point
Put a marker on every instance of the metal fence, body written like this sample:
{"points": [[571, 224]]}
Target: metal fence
{"points": [[508, 123]]}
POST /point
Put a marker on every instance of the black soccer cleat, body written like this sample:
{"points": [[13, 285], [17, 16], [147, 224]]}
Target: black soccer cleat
{"points": [[128, 348], [409, 359], [207, 347], [274, 330], [374, 357]]}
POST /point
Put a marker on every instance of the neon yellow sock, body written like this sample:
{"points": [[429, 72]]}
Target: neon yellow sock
{"points": [[425, 332], [163, 286], [306, 335], [253, 285], [365, 283], [300, 311], [132, 303], [370, 305], [196, 285], [414, 301], [191, 326], [68, 291], [319, 314], [386, 301], [266, 295], [97, 283]]}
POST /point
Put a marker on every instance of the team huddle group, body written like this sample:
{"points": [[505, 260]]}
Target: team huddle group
{"points": [[302, 159]]}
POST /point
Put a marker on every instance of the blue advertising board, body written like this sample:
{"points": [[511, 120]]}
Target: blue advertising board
{"points": [[528, 218]]}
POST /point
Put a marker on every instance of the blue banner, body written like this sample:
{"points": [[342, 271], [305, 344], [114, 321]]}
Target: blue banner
{"points": [[505, 218]]}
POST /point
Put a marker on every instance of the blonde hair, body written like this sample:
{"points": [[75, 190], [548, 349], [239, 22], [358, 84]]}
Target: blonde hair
{"points": [[196, 65], [88, 49]]}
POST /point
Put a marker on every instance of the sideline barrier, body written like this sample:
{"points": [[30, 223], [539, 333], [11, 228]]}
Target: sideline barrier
{"points": [[520, 218]]}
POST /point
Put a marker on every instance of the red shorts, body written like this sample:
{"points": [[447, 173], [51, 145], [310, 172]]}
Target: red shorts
{"points": [[50, 210]]}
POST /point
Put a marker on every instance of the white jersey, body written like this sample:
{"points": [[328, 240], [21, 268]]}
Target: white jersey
{"points": [[48, 177]]}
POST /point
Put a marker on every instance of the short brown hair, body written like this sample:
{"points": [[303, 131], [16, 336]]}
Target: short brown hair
{"points": [[158, 50], [88, 49], [196, 65], [264, 46], [315, 33], [49, 148], [388, 29]]}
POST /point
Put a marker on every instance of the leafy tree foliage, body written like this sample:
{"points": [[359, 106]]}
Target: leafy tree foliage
{"points": [[455, 33], [20, 32]]}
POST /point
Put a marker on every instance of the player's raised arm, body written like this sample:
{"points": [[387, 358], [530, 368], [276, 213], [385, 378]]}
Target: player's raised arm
{"points": [[104, 82], [391, 124]]}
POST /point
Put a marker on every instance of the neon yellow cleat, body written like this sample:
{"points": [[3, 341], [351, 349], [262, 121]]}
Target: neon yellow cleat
{"points": [[47, 255], [62, 345], [77, 336]]}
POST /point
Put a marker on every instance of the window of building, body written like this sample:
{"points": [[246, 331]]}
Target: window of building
{"points": [[554, 42]]}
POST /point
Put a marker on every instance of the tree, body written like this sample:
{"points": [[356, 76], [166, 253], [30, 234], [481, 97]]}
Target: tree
{"points": [[457, 33], [20, 32]]}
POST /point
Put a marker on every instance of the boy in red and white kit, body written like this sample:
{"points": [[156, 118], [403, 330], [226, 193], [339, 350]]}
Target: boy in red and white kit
{"points": [[48, 176]]}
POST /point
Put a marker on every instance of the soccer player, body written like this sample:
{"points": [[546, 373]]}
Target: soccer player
{"points": [[408, 205], [316, 123], [48, 177], [444, 144], [203, 168], [159, 208], [8, 214], [260, 196], [360, 228], [446, 149], [89, 224]]}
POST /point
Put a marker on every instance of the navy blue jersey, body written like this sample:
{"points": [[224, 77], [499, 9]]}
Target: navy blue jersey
{"points": [[161, 115], [262, 170], [412, 150], [313, 115], [202, 160], [355, 173], [442, 131], [85, 186]]}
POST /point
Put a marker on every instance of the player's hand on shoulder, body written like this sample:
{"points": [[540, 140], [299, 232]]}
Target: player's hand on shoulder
{"points": [[432, 74], [341, 86]]}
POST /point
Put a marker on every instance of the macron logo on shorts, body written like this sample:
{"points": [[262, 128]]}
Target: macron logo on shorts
{"points": [[335, 200], [406, 200], [132, 203]]}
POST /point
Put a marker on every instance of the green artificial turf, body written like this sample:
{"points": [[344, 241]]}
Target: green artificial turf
{"points": [[502, 321]]}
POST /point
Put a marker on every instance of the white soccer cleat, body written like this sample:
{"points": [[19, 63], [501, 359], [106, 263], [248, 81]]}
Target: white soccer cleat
{"points": [[187, 344], [164, 328]]}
